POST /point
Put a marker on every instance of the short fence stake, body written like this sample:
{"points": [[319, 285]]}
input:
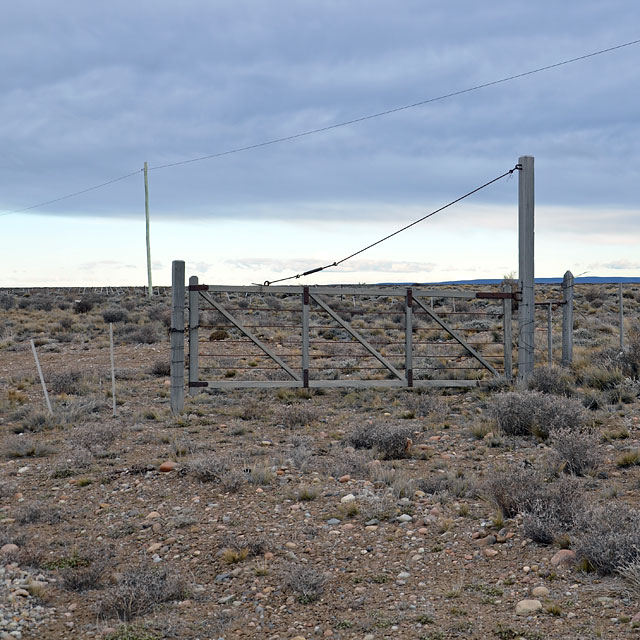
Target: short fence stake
{"points": [[508, 333], [549, 337], [567, 319], [113, 370], [177, 336], [194, 325], [621, 316], [44, 386]]}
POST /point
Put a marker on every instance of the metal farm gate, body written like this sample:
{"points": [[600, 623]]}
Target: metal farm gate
{"points": [[345, 336]]}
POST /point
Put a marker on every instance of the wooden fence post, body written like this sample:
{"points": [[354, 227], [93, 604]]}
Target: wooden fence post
{"points": [[194, 325], [621, 316], [526, 309], [177, 337], [305, 337], [408, 337], [549, 337], [508, 332], [113, 371], [39, 368], [567, 319]]}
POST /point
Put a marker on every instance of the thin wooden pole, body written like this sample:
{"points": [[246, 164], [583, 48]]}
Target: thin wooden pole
{"points": [[194, 325], [508, 332], [621, 316], [549, 337], [177, 337], [44, 386], [113, 371], [567, 319], [146, 212], [526, 309]]}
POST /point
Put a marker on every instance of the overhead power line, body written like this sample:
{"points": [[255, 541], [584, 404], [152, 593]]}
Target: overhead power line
{"points": [[395, 233], [337, 125]]}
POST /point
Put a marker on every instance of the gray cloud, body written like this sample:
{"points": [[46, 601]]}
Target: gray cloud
{"points": [[90, 92]]}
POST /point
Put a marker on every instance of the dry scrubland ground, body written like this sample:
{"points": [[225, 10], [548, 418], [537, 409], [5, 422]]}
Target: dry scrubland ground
{"points": [[345, 514]]}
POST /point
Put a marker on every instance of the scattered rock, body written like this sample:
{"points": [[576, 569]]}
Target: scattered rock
{"points": [[540, 592], [9, 548], [348, 498], [564, 557], [526, 607], [167, 465]]}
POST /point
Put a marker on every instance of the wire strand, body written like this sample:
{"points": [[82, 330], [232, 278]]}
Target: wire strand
{"points": [[395, 233], [72, 195], [380, 114]]}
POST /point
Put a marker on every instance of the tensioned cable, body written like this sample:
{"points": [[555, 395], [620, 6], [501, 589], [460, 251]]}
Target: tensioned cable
{"points": [[71, 195], [333, 126], [395, 233], [311, 132]]}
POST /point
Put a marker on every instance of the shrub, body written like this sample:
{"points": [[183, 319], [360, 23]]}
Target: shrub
{"points": [[553, 380], [25, 447], [138, 590], [297, 415], [577, 451], [548, 509], [161, 368], [523, 413], [7, 301], [307, 583], [83, 305], [424, 404], [389, 442], [65, 382], [114, 314], [218, 334], [600, 378], [146, 334], [608, 538]]}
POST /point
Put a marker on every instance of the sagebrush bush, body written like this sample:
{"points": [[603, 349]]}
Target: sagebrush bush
{"points": [[297, 415], [68, 382], [307, 583], [138, 590], [113, 314], [553, 380], [161, 368], [388, 441], [576, 451], [549, 509], [600, 378], [83, 306], [7, 301], [608, 537], [524, 413]]}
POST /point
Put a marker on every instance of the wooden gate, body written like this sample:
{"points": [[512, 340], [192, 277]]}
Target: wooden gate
{"points": [[346, 336]]}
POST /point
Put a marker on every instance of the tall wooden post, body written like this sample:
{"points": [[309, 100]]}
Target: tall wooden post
{"points": [[408, 337], [305, 337], [567, 319], [146, 212], [194, 325], [177, 336], [508, 333], [549, 336], [526, 309]]}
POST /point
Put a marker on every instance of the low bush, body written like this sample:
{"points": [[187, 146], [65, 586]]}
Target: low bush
{"points": [[608, 538], [161, 368], [388, 441], [307, 583], [297, 415], [138, 590], [83, 305], [552, 380], [524, 413], [576, 451], [114, 314]]}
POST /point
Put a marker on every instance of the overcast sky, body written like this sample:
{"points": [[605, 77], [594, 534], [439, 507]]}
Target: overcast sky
{"points": [[89, 91]]}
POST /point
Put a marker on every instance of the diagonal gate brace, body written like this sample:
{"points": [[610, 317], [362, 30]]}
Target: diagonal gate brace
{"points": [[347, 327], [455, 336], [251, 337]]}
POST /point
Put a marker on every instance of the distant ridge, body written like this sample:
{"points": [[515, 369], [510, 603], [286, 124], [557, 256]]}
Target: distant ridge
{"points": [[581, 280]]}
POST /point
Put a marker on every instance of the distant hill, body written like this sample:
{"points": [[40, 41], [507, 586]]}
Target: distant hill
{"points": [[580, 280]]}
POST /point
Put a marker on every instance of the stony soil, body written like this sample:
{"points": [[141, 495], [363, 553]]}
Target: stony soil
{"points": [[267, 523]]}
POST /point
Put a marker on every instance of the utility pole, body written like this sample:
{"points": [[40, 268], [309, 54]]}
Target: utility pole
{"points": [[146, 211]]}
